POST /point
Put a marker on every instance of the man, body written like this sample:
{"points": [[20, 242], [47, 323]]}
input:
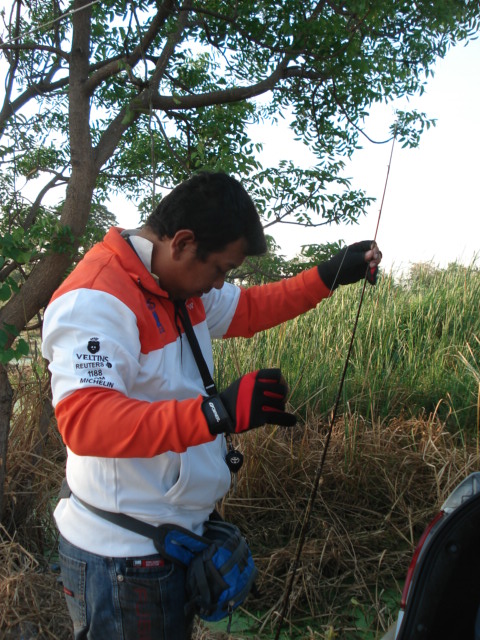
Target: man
{"points": [[143, 435]]}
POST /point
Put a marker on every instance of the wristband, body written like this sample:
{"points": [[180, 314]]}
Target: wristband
{"points": [[217, 417]]}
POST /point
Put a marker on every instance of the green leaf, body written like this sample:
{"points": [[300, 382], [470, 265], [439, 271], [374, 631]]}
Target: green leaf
{"points": [[5, 292], [22, 348]]}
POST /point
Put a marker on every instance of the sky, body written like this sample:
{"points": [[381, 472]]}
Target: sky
{"points": [[431, 209]]}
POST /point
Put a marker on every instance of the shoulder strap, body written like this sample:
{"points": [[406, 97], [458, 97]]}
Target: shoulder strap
{"points": [[127, 522], [208, 382]]}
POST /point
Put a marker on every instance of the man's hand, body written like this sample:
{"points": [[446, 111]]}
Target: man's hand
{"points": [[351, 264], [255, 399]]}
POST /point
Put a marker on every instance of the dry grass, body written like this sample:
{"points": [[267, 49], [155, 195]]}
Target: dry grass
{"points": [[32, 603], [381, 484]]}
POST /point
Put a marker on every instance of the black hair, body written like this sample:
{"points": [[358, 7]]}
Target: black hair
{"points": [[216, 207]]}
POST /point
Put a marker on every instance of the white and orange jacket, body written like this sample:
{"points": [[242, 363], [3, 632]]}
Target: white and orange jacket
{"points": [[127, 390]]}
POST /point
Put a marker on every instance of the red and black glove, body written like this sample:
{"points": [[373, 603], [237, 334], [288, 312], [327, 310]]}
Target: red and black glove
{"points": [[255, 399], [347, 266]]}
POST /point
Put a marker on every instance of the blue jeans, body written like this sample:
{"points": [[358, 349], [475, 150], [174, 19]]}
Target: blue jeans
{"points": [[123, 598]]}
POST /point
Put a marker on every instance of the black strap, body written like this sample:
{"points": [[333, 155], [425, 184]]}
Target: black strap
{"points": [[156, 534], [122, 520], [208, 382]]}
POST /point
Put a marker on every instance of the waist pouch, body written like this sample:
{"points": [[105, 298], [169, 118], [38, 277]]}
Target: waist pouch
{"points": [[220, 568]]}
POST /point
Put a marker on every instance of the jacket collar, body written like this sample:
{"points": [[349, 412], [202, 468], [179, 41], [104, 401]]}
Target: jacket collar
{"points": [[136, 259]]}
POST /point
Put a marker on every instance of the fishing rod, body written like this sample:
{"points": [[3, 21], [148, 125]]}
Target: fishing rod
{"points": [[319, 471]]}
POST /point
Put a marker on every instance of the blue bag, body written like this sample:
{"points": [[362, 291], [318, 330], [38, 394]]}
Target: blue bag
{"points": [[220, 568]]}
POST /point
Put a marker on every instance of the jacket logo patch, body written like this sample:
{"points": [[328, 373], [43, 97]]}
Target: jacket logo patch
{"points": [[151, 306], [92, 367], [93, 345]]}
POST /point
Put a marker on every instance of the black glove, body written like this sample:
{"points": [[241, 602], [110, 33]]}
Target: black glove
{"points": [[348, 266], [255, 399]]}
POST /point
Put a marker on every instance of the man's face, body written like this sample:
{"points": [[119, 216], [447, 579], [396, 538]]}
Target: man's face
{"points": [[189, 276]]}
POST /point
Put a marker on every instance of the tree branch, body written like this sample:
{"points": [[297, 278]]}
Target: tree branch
{"points": [[169, 48], [115, 66], [32, 214], [33, 91], [235, 94], [144, 102], [36, 47]]}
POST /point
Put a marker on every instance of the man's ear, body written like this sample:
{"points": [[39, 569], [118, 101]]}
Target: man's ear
{"points": [[182, 241]]}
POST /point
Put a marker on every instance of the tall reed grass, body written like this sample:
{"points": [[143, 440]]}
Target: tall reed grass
{"points": [[416, 350]]}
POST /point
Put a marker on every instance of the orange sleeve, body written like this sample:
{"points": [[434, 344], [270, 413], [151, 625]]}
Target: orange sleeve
{"points": [[264, 306], [105, 423]]}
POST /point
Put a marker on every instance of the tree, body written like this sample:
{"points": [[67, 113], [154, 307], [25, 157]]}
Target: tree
{"points": [[127, 96]]}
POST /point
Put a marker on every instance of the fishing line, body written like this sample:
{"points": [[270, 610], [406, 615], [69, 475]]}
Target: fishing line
{"points": [[319, 471]]}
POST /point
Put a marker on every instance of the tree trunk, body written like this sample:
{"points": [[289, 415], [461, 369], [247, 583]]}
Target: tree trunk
{"points": [[6, 395]]}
